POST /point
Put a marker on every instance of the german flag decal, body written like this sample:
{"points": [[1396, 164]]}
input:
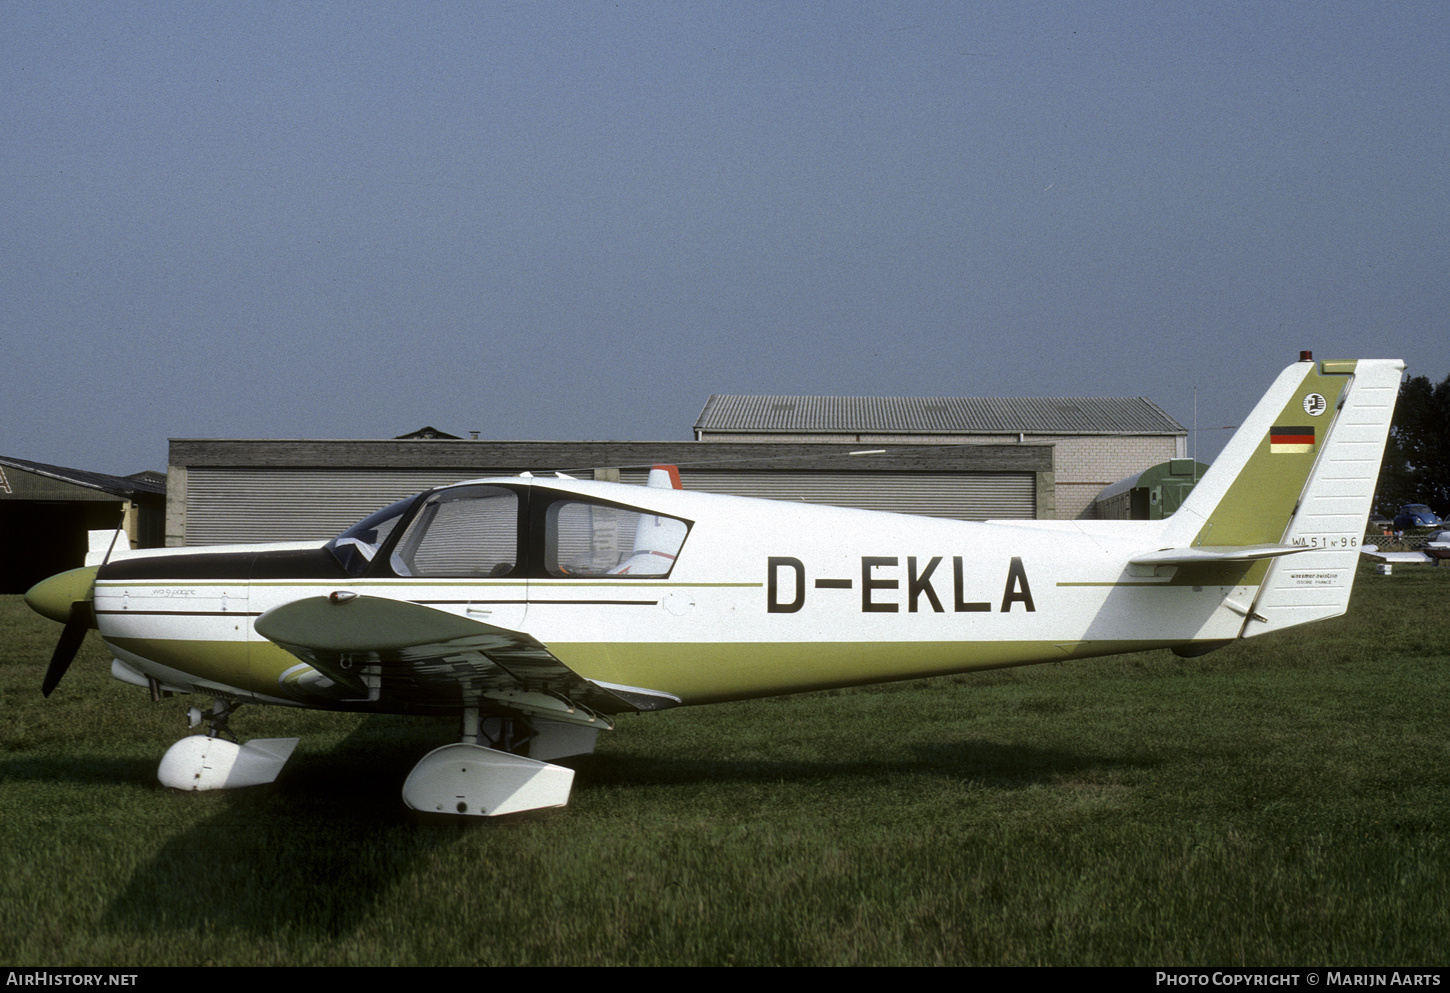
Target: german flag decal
{"points": [[1283, 440]]}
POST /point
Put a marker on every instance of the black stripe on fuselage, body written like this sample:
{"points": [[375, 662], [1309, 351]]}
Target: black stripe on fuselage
{"points": [[183, 613], [289, 563]]}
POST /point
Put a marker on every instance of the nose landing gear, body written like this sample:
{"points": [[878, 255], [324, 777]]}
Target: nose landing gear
{"points": [[215, 761]]}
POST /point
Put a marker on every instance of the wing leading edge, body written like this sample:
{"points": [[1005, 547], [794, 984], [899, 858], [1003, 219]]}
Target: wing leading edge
{"points": [[367, 648]]}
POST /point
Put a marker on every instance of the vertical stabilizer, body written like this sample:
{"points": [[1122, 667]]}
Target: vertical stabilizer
{"points": [[1249, 493], [1301, 470], [665, 477], [1332, 514]]}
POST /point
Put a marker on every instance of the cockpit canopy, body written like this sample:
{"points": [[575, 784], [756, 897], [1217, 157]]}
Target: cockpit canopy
{"points": [[482, 530]]}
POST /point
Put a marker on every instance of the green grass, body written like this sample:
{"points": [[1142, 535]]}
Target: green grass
{"points": [[1282, 801]]}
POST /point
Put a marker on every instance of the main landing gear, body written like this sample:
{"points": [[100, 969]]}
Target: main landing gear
{"points": [[512, 775], [500, 766]]}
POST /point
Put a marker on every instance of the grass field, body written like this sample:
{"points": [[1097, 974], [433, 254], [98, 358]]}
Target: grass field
{"points": [[1283, 801]]}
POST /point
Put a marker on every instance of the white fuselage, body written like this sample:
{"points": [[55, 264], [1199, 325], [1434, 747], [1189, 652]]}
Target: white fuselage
{"points": [[765, 597]]}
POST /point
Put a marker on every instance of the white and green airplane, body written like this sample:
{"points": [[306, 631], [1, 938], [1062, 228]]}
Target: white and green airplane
{"points": [[538, 610]]}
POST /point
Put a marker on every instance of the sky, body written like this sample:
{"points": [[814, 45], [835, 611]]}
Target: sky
{"points": [[579, 220]]}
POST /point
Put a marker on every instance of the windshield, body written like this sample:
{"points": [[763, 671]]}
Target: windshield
{"points": [[462, 531], [356, 546]]}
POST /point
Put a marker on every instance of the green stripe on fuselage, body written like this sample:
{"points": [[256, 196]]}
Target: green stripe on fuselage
{"points": [[225, 662], [699, 672], [249, 666], [712, 672]]}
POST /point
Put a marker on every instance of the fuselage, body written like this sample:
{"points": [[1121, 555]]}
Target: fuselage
{"points": [[706, 598]]}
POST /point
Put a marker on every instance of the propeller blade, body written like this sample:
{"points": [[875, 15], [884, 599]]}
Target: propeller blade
{"points": [[76, 588], [82, 618]]}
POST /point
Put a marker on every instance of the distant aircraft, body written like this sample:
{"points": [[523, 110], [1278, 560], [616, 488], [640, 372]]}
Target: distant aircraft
{"points": [[538, 610], [1434, 550]]}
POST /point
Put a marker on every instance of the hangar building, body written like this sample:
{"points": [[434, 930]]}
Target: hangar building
{"points": [[46, 510], [224, 491], [955, 457], [1097, 440]]}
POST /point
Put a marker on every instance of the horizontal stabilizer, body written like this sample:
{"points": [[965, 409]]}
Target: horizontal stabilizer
{"points": [[1211, 554]]}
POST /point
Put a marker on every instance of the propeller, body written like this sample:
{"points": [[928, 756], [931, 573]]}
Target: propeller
{"points": [[68, 597], [82, 619]]}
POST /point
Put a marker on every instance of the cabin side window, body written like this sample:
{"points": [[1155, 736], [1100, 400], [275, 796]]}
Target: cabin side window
{"points": [[463, 531], [594, 539]]}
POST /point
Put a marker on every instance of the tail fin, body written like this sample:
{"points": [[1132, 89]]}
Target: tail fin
{"points": [[665, 477], [1299, 472]]}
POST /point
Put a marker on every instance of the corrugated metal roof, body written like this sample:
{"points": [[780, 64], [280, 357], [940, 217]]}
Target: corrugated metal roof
{"points": [[120, 485], [935, 415]]}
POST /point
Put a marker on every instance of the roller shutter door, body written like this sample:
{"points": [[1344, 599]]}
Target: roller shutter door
{"points": [[959, 496], [227, 506]]}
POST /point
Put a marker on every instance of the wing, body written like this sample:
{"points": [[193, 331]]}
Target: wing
{"points": [[373, 648], [1420, 558]]}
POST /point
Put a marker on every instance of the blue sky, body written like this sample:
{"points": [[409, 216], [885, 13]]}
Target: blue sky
{"points": [[578, 220]]}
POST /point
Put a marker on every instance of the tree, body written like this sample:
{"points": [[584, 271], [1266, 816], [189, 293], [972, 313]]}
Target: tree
{"points": [[1416, 468]]}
